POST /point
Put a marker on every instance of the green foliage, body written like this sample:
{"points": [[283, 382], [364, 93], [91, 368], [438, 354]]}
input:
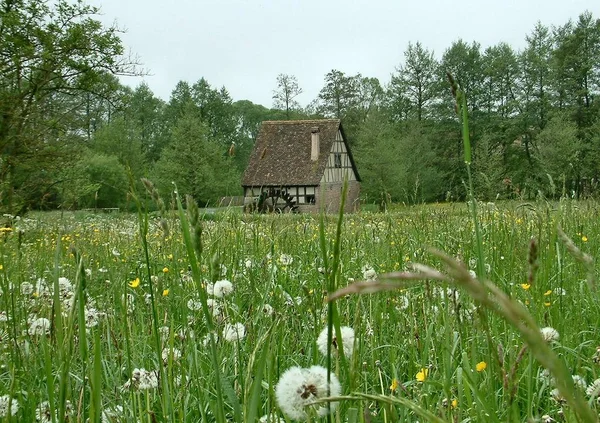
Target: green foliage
{"points": [[197, 165], [54, 55], [97, 180]]}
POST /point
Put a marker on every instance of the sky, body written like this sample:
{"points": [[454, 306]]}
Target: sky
{"points": [[244, 44]]}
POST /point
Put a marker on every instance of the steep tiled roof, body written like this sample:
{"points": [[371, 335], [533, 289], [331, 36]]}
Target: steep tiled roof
{"points": [[281, 155]]}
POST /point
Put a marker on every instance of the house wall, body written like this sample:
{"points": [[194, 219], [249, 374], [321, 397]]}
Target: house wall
{"points": [[329, 196], [338, 163]]}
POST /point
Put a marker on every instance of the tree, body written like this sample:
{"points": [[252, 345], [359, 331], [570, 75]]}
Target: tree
{"points": [[501, 70], [285, 93], [338, 96], [50, 51], [197, 165], [535, 81], [415, 86], [577, 68]]}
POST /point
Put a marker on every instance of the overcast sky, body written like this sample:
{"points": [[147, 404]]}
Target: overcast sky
{"points": [[244, 44]]}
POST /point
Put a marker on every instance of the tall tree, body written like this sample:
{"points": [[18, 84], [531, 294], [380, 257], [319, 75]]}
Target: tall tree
{"points": [[577, 67], [49, 50], [415, 85], [284, 96], [535, 81], [501, 71], [338, 96]]}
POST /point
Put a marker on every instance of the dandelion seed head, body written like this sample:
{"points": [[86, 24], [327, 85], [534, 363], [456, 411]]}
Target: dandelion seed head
{"points": [[299, 389], [222, 288], [550, 334], [5, 410], [347, 341], [234, 332]]}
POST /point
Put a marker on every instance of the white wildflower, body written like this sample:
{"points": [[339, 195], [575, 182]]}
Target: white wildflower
{"points": [[39, 326], [26, 288], [550, 334], [579, 382], [111, 415], [92, 317], [5, 410], [248, 264], [234, 332], [369, 274], [43, 414], [347, 341], [142, 380], [222, 288], [271, 418], [593, 390], [403, 303], [298, 390], [194, 304], [286, 259], [167, 352], [267, 309]]}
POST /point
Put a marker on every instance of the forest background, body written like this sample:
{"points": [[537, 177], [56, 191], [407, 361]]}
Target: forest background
{"points": [[73, 136]]}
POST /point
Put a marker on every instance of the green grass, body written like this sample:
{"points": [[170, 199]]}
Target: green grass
{"points": [[398, 334]]}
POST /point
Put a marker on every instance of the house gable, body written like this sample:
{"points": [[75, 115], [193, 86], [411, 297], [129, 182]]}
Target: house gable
{"points": [[282, 153], [340, 163]]}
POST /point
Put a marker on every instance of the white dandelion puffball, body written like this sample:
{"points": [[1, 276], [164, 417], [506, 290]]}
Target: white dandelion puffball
{"points": [[271, 418], [593, 390], [39, 326], [298, 390], [286, 259], [369, 274], [550, 334], [347, 341], [234, 332], [4, 408], [222, 288]]}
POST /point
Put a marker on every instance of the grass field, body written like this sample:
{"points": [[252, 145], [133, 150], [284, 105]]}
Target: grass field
{"points": [[92, 327]]}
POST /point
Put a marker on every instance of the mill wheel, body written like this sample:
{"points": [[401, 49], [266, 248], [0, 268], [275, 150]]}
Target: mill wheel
{"points": [[276, 201]]}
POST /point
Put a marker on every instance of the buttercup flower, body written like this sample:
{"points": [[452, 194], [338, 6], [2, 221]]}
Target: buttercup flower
{"points": [[298, 391], [422, 375], [481, 366]]}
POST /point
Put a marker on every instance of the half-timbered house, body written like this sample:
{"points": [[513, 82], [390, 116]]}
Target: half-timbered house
{"points": [[301, 165]]}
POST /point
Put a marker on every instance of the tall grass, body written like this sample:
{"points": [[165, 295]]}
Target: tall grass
{"points": [[82, 369]]}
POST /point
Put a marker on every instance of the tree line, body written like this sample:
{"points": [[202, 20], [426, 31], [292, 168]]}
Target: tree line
{"points": [[73, 136]]}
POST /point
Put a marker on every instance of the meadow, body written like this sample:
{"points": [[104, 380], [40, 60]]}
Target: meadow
{"points": [[155, 318]]}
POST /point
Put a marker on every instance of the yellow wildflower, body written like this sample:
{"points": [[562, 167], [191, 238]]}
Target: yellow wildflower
{"points": [[547, 303], [481, 366], [525, 286], [584, 238], [454, 403], [394, 385], [165, 292], [135, 283], [5, 229], [422, 375], [165, 269], [548, 292], [1, 267]]}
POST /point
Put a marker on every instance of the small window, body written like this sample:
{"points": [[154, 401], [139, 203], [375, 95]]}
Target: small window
{"points": [[310, 199], [337, 160]]}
